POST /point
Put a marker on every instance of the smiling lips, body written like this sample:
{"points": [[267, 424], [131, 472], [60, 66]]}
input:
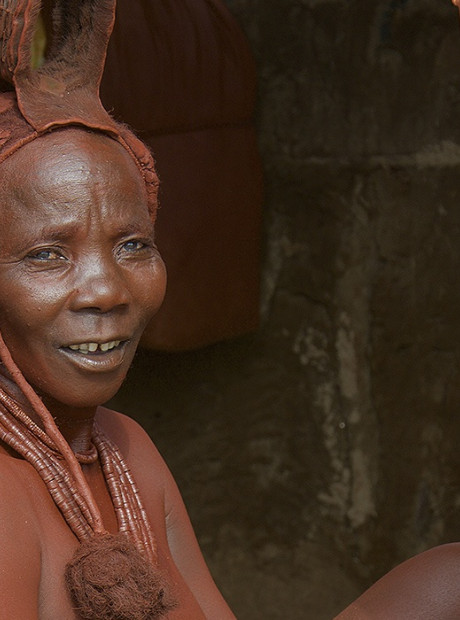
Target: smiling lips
{"points": [[94, 347], [98, 356]]}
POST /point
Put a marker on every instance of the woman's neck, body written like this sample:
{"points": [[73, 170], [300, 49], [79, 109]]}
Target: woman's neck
{"points": [[75, 424]]}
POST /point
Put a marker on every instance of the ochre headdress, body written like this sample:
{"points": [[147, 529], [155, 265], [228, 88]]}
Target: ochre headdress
{"points": [[64, 89]]}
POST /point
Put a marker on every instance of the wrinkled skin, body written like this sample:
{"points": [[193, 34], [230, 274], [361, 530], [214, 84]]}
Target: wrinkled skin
{"points": [[78, 260], [78, 267]]}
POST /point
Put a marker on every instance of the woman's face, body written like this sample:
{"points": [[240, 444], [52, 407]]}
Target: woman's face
{"points": [[80, 276]]}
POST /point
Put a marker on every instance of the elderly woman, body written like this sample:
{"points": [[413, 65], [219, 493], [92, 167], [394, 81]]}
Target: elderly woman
{"points": [[92, 523]]}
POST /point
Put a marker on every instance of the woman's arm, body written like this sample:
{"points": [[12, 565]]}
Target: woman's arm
{"points": [[158, 487], [423, 588], [188, 558], [19, 551]]}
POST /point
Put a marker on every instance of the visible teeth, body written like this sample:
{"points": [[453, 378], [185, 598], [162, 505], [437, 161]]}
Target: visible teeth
{"points": [[106, 346], [92, 347]]}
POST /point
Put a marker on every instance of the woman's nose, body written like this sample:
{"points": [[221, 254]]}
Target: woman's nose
{"points": [[100, 286]]}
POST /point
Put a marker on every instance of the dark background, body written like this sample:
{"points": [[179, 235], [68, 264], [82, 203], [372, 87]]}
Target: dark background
{"points": [[319, 452]]}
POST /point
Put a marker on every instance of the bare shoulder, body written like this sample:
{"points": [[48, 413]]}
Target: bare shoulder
{"points": [[422, 588], [134, 443], [124, 431]]}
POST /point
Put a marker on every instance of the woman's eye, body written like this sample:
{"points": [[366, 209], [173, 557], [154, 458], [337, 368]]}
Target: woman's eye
{"points": [[133, 246], [46, 254]]}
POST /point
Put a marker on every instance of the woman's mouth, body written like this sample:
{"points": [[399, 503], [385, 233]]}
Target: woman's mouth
{"points": [[94, 347], [97, 356]]}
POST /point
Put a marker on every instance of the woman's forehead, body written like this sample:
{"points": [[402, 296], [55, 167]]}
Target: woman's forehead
{"points": [[70, 178], [52, 149], [65, 159]]}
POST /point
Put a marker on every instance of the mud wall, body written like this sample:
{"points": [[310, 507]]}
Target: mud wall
{"points": [[319, 452]]}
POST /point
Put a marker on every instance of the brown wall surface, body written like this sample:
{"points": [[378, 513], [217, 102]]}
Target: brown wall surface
{"points": [[319, 452]]}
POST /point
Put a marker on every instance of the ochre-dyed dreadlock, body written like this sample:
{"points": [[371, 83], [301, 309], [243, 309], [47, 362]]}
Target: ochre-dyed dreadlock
{"points": [[110, 577]]}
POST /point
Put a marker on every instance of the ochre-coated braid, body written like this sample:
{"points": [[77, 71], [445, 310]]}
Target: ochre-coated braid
{"points": [[53, 433], [49, 464]]}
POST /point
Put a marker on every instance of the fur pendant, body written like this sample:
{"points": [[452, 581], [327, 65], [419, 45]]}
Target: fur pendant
{"points": [[109, 579]]}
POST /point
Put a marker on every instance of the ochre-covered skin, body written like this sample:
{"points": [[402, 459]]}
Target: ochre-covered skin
{"points": [[423, 588], [78, 265]]}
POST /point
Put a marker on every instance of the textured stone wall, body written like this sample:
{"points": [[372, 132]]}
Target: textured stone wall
{"points": [[317, 453]]}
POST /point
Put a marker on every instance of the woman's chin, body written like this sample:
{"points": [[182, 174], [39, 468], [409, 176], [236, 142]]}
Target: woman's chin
{"points": [[86, 399]]}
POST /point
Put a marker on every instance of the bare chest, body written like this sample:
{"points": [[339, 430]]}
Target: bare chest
{"points": [[58, 544]]}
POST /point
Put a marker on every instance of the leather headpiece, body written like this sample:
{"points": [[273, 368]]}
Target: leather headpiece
{"points": [[64, 90]]}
